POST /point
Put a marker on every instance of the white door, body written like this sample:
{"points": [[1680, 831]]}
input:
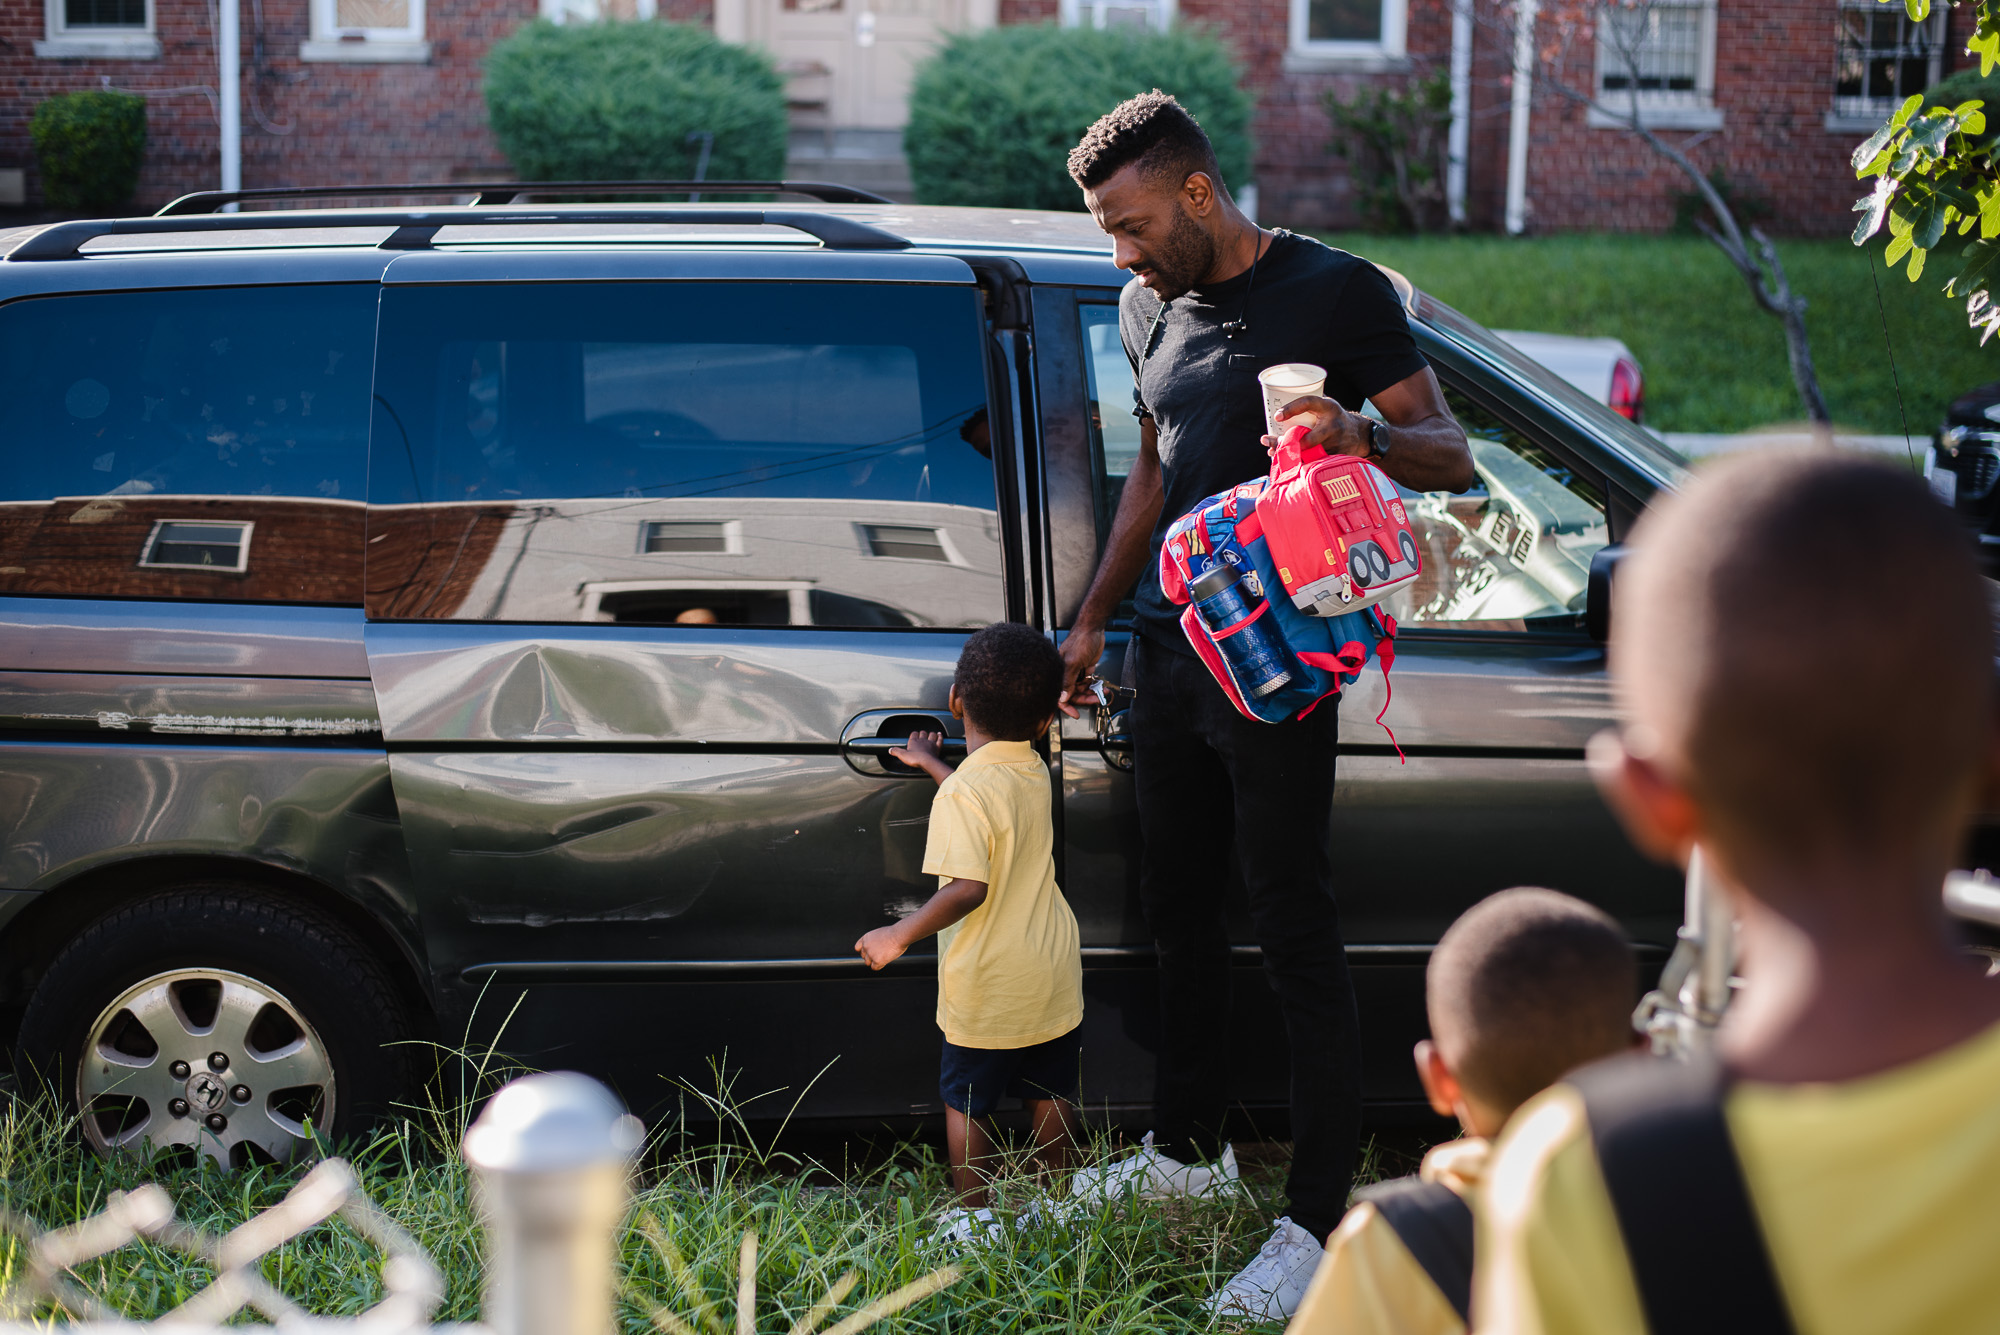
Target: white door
{"points": [[868, 47]]}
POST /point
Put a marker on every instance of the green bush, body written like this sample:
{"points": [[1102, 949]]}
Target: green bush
{"points": [[618, 101], [994, 114], [89, 146]]}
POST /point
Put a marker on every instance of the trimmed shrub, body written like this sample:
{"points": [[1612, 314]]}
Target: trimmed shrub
{"points": [[89, 146], [994, 114], [617, 101]]}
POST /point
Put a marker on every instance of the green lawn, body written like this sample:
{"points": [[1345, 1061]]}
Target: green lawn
{"points": [[1713, 360]]}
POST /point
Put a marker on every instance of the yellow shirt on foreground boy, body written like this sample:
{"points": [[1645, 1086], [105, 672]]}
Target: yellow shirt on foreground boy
{"points": [[1802, 644], [1010, 972], [1525, 986]]}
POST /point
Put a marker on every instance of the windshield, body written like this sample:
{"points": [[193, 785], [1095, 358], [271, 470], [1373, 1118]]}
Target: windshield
{"points": [[1638, 444]]}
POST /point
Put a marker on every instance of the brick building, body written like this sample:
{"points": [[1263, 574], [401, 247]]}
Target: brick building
{"points": [[1773, 93]]}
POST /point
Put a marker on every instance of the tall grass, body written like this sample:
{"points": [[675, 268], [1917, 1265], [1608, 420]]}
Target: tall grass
{"points": [[703, 1185]]}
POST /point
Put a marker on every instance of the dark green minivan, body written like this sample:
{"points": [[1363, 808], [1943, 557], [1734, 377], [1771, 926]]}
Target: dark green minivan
{"points": [[479, 625]]}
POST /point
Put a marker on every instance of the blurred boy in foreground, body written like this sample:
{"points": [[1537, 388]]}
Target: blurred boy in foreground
{"points": [[1801, 645], [1527, 985]]}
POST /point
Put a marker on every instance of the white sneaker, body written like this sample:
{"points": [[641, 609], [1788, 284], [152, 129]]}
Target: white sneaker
{"points": [[963, 1229], [1272, 1285], [1155, 1176]]}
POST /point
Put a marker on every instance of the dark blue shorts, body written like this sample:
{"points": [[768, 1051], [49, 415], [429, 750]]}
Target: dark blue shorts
{"points": [[974, 1080]]}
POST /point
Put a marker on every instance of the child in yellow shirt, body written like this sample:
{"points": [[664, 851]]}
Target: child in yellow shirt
{"points": [[1525, 986], [1010, 971], [1802, 647]]}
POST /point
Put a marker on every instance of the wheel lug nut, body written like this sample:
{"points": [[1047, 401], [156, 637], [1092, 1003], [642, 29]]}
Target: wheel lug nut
{"points": [[218, 1061], [179, 1070], [241, 1093], [217, 1123], [178, 1107]]}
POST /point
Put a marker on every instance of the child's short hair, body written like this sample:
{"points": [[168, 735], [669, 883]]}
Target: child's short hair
{"points": [[1526, 986], [1009, 678], [1806, 642]]}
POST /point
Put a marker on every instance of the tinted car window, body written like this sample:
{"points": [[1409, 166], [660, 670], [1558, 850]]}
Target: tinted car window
{"points": [[1114, 430], [1512, 552], [756, 454], [206, 443]]}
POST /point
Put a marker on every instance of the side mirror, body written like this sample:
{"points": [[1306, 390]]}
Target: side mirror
{"points": [[1597, 595]]}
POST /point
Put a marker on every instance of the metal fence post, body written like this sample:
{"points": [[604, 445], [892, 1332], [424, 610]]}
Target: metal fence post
{"points": [[551, 1157]]}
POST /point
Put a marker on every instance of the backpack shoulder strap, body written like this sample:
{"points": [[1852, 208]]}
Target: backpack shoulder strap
{"points": [[1690, 1228], [1435, 1226]]}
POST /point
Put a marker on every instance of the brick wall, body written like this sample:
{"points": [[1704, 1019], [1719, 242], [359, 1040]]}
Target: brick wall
{"points": [[1774, 65], [302, 122]]}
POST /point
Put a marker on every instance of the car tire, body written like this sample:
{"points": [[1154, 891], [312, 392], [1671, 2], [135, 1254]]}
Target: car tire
{"points": [[218, 1019]]}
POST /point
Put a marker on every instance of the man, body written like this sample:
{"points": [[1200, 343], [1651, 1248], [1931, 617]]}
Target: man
{"points": [[1213, 300]]}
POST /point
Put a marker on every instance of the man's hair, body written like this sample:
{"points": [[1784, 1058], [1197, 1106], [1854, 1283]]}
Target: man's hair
{"points": [[1805, 638], [1152, 130], [1008, 680], [1526, 986]]}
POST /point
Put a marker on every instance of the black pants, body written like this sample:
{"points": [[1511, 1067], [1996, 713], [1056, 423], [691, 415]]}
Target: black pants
{"points": [[1212, 786]]}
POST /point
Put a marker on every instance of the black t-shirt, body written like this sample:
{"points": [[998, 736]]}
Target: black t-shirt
{"points": [[1310, 303]]}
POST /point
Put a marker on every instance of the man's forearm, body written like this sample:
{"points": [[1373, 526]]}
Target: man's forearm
{"points": [[1126, 550], [1426, 455]]}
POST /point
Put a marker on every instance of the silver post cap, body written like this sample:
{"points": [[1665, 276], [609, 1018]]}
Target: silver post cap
{"points": [[549, 1123]]}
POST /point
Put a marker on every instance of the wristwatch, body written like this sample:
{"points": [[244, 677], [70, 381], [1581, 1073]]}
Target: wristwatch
{"points": [[1378, 439]]}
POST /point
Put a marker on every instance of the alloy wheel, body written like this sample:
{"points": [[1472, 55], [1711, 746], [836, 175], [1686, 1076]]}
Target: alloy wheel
{"points": [[206, 1059]]}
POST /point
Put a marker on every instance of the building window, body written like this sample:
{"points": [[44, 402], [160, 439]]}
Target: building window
{"points": [[367, 30], [1346, 30], [591, 11], [99, 29], [1661, 58], [1158, 15], [691, 535], [1883, 58], [911, 544], [192, 544]]}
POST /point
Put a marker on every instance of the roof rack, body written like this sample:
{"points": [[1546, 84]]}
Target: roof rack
{"points": [[416, 229], [513, 192]]}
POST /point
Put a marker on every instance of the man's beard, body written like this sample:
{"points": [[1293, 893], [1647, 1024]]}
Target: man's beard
{"points": [[1186, 256]]}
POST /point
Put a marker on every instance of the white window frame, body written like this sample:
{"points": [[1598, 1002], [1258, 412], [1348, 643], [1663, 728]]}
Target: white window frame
{"points": [[1692, 109], [1093, 13], [331, 42], [95, 41], [560, 12], [1303, 55], [729, 530], [1863, 114], [247, 527]]}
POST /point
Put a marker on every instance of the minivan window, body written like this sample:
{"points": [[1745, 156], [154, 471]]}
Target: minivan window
{"points": [[130, 415], [1113, 428], [684, 453]]}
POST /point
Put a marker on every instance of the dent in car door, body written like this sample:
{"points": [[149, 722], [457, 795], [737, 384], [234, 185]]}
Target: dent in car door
{"points": [[639, 553]]}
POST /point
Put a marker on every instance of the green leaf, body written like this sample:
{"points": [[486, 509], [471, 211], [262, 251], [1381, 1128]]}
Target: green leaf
{"points": [[1977, 272], [1871, 147], [1870, 207], [1917, 264], [1987, 47], [1897, 248], [1908, 109], [1989, 214], [1928, 219], [1973, 121], [1918, 10]]}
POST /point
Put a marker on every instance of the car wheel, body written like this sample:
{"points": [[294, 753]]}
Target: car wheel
{"points": [[1409, 545], [219, 1020], [1378, 561], [1357, 568]]}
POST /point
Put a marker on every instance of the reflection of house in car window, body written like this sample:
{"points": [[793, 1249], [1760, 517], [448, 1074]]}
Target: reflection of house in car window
{"points": [[912, 544], [187, 544], [674, 535]]}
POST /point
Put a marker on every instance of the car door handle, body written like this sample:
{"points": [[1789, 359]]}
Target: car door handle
{"points": [[881, 746]]}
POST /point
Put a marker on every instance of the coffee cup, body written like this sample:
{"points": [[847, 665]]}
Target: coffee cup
{"points": [[1283, 383]]}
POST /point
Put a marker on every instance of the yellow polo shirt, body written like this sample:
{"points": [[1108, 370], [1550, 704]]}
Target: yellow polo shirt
{"points": [[1879, 1199], [1010, 973], [1368, 1283]]}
